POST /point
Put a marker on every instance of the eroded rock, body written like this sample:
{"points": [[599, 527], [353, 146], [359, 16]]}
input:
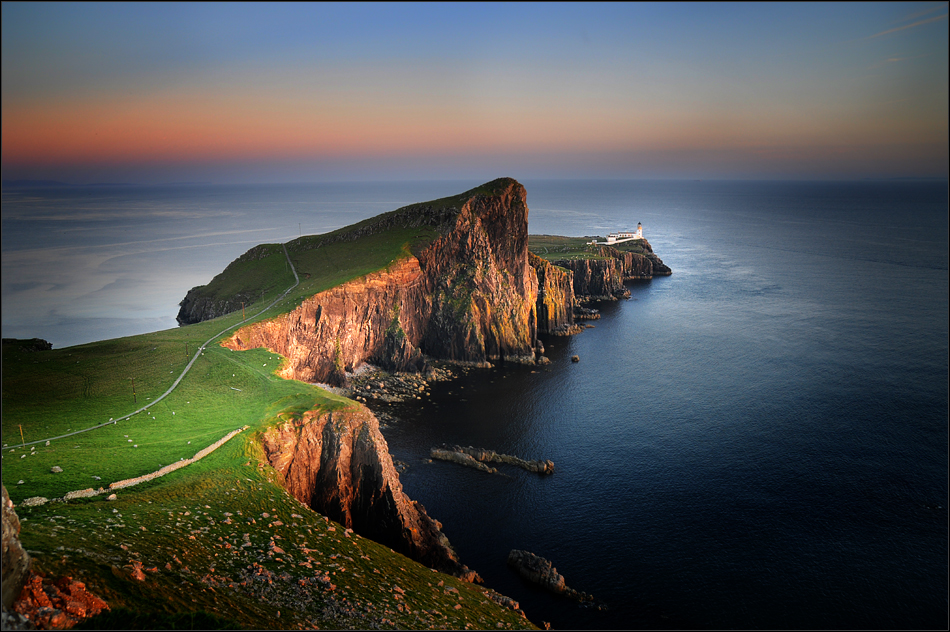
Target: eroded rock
{"points": [[538, 570], [58, 604], [476, 457], [338, 463], [15, 560]]}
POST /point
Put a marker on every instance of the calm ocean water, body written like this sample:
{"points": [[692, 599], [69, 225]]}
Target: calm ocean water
{"points": [[758, 441]]}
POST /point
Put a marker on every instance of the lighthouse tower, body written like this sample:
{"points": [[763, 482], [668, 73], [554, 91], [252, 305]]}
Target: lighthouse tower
{"points": [[639, 230]]}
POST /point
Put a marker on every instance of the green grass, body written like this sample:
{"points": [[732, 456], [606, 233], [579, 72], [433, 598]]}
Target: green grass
{"points": [[333, 264], [203, 408], [554, 248], [49, 393], [262, 271], [189, 528], [557, 248]]}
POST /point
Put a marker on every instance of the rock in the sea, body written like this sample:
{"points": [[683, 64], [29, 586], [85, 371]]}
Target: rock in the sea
{"points": [[540, 571], [575, 358], [474, 457], [461, 459], [537, 570]]}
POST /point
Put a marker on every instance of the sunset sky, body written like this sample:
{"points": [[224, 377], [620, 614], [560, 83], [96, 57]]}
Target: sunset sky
{"points": [[158, 92]]}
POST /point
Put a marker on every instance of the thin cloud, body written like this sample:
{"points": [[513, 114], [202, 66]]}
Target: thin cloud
{"points": [[937, 7], [910, 26], [894, 60]]}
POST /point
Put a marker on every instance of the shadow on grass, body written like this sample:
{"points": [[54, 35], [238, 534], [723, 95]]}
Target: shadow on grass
{"points": [[124, 619]]}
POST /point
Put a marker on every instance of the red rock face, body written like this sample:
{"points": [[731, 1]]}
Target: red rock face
{"points": [[338, 463], [469, 296], [599, 278], [555, 305], [483, 290], [377, 317]]}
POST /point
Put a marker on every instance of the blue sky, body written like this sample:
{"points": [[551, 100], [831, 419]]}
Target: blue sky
{"points": [[299, 92]]}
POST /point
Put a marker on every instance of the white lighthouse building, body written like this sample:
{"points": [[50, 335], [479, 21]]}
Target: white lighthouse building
{"points": [[616, 238]]}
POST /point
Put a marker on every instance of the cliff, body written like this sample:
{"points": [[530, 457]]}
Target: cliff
{"points": [[555, 304], [595, 278], [603, 278], [339, 464], [469, 295], [637, 260]]}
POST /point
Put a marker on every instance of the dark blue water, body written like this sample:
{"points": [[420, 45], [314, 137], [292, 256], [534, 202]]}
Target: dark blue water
{"points": [[758, 441]]}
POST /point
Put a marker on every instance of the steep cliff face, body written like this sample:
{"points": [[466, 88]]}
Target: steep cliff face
{"points": [[470, 295], [379, 317], [659, 268], [338, 463], [643, 265], [630, 265], [483, 290], [195, 307], [555, 306], [595, 278], [604, 278]]}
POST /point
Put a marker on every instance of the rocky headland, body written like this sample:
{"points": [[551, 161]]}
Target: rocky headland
{"points": [[472, 294], [602, 277]]}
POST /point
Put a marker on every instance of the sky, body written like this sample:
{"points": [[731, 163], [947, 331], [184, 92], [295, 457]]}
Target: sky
{"points": [[271, 93]]}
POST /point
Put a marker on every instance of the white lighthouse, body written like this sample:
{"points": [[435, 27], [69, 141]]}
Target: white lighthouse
{"points": [[616, 238]]}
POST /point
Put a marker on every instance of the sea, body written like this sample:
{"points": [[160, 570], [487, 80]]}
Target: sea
{"points": [[758, 441]]}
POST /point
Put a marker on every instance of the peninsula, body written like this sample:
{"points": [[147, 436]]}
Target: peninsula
{"points": [[301, 519]]}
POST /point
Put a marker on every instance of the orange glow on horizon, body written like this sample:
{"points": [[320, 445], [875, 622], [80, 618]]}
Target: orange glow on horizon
{"points": [[232, 123]]}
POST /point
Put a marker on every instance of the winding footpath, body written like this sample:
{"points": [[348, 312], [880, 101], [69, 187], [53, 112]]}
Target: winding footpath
{"points": [[183, 373]]}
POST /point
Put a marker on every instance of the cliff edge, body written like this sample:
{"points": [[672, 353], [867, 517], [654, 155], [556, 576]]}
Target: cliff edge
{"points": [[469, 295], [338, 463]]}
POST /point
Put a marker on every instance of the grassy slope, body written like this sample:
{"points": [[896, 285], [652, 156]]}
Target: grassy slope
{"points": [[554, 248], [51, 392]]}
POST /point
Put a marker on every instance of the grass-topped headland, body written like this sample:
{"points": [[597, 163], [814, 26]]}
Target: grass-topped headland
{"points": [[327, 260], [555, 247], [220, 540]]}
